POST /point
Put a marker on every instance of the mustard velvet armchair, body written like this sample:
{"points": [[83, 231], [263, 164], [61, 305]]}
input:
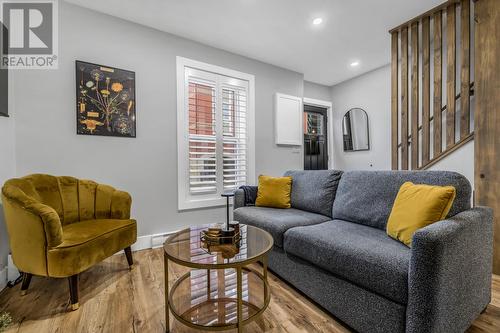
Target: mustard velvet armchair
{"points": [[60, 226]]}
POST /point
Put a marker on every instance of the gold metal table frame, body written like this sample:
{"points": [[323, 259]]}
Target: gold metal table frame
{"points": [[239, 267]]}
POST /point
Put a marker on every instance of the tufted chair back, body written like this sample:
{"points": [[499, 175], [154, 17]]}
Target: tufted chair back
{"points": [[73, 199]]}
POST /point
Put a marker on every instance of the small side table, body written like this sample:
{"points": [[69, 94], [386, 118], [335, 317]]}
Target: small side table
{"points": [[204, 298]]}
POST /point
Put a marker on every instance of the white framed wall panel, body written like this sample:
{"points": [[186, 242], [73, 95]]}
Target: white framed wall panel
{"points": [[288, 120]]}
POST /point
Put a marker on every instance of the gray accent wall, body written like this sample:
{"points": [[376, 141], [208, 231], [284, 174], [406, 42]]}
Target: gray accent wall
{"points": [[145, 166]]}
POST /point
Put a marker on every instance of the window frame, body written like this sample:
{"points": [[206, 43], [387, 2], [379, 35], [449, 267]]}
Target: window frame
{"points": [[185, 199]]}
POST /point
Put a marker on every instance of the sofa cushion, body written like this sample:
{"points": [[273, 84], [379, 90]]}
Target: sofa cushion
{"points": [[364, 255], [314, 190], [276, 221], [367, 197], [89, 242]]}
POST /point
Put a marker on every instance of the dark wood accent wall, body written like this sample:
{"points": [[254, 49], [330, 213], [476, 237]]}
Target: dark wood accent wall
{"points": [[486, 115], [394, 101], [451, 41], [414, 96], [404, 98], [438, 83], [465, 69], [426, 90], [421, 40]]}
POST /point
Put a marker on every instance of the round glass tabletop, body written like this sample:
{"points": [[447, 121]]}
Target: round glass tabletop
{"points": [[186, 248]]}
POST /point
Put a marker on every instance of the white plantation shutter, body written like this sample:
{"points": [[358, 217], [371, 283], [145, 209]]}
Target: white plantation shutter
{"points": [[214, 156], [202, 136], [234, 112]]}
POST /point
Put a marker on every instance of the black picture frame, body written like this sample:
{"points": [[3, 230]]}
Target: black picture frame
{"points": [[347, 137], [105, 100], [4, 76], [4, 93]]}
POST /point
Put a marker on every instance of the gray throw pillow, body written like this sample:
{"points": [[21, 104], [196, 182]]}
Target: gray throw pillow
{"points": [[314, 190]]}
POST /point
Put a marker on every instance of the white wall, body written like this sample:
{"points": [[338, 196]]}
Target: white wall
{"points": [[461, 161], [46, 137], [317, 91], [7, 170], [371, 92]]}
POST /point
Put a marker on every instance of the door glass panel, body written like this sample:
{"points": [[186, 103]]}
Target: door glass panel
{"points": [[313, 123]]}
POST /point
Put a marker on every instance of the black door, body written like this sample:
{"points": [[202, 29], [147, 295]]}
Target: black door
{"points": [[315, 138]]}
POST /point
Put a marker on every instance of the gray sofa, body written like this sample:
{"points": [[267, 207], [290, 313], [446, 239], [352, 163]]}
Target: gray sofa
{"points": [[332, 245]]}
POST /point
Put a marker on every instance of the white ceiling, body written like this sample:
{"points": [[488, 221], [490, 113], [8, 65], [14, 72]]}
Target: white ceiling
{"points": [[280, 32]]}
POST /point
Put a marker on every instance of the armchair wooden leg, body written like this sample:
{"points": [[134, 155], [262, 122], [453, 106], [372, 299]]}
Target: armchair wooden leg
{"points": [[128, 254], [26, 283], [73, 292]]}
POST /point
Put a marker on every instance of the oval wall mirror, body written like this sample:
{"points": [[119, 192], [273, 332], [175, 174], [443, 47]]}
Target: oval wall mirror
{"points": [[355, 130]]}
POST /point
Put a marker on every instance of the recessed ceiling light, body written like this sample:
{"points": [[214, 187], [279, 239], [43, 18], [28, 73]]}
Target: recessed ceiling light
{"points": [[354, 63], [317, 21]]}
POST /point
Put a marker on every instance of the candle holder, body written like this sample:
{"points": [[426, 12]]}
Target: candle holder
{"points": [[227, 228]]}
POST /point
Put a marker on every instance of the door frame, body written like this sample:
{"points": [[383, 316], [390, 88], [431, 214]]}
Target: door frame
{"points": [[329, 132]]}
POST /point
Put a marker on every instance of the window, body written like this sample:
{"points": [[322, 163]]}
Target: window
{"points": [[313, 123], [215, 132]]}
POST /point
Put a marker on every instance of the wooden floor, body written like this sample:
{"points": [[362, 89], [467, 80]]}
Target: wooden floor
{"points": [[114, 299]]}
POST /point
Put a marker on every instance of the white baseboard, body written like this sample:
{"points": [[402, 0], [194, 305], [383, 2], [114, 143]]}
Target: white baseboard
{"points": [[12, 271], [142, 243], [3, 278], [151, 241], [8, 273]]}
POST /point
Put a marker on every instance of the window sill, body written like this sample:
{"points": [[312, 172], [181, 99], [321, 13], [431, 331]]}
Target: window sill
{"points": [[202, 203]]}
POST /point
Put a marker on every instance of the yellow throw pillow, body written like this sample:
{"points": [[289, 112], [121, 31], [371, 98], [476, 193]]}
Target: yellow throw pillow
{"points": [[274, 192], [417, 206]]}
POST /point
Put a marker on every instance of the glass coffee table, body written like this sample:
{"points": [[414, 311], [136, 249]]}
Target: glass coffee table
{"points": [[220, 291]]}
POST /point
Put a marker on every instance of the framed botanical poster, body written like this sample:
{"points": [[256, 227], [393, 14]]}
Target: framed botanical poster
{"points": [[105, 101]]}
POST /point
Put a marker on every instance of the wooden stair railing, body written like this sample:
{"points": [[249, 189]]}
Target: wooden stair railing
{"points": [[409, 118], [463, 140]]}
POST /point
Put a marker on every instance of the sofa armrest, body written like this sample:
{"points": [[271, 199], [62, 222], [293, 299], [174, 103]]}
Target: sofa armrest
{"points": [[121, 203], [51, 223], [239, 199], [245, 196], [449, 279]]}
